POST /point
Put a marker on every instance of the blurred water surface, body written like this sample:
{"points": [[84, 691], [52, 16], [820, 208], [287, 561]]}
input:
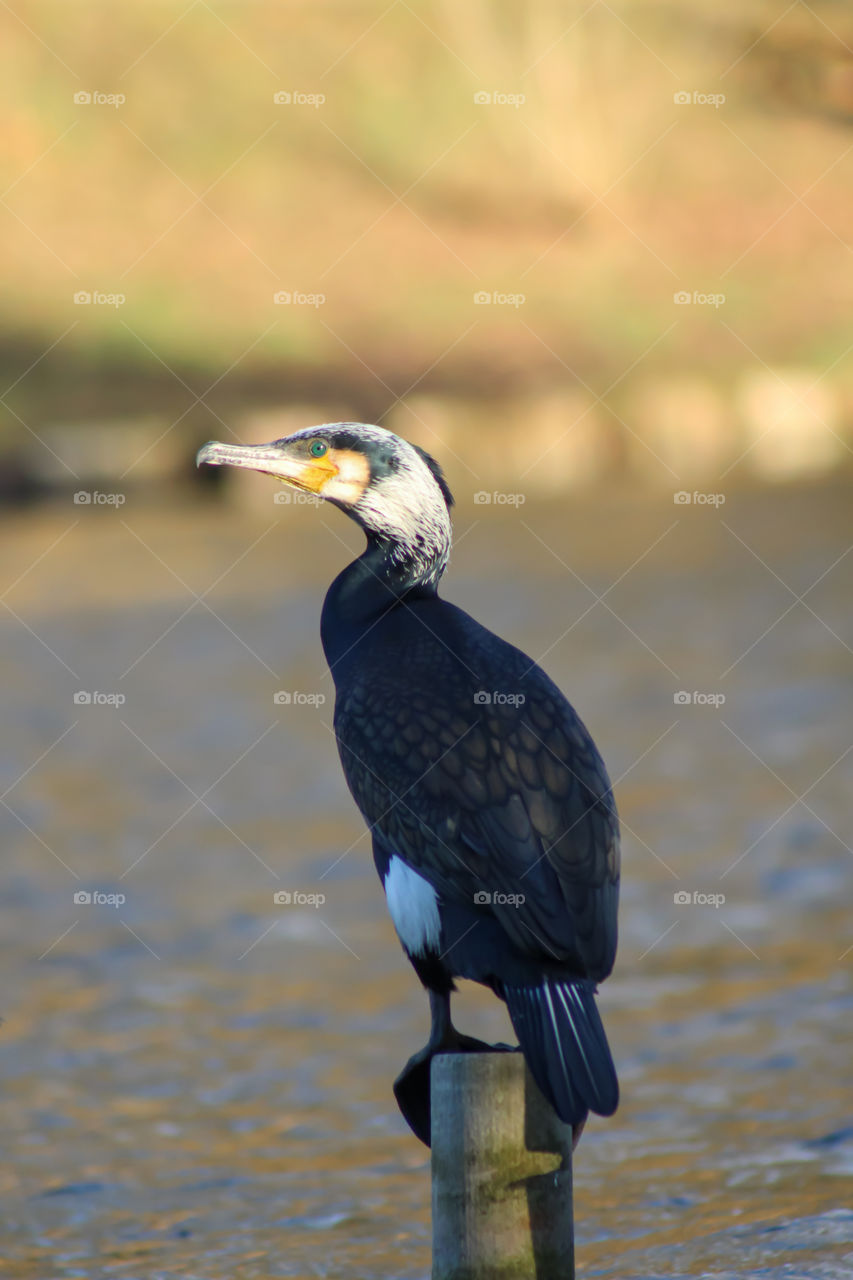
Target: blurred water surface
{"points": [[197, 1081]]}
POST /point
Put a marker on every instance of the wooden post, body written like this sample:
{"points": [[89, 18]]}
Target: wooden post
{"points": [[501, 1173]]}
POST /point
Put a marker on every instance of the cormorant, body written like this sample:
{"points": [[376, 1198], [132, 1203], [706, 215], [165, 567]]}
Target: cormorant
{"points": [[494, 827]]}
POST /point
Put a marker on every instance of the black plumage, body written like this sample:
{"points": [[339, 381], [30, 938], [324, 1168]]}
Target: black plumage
{"points": [[472, 771]]}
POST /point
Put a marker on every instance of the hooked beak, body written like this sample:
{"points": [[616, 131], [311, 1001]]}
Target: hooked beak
{"points": [[279, 459]]}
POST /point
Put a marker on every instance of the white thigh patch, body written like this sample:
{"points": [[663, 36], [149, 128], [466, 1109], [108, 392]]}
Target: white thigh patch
{"points": [[413, 904]]}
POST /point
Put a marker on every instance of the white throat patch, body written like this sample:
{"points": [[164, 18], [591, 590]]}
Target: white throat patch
{"points": [[413, 906]]}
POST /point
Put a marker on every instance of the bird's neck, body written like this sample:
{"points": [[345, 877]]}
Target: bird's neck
{"points": [[382, 578]]}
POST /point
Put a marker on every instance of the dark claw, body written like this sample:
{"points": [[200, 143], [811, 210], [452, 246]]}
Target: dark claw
{"points": [[411, 1088]]}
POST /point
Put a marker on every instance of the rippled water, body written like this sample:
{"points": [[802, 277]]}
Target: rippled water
{"points": [[197, 1082]]}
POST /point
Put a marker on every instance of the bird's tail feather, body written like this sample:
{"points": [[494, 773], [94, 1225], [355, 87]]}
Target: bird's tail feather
{"points": [[563, 1041]]}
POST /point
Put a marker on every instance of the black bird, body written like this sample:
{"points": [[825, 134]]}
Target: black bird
{"points": [[494, 827]]}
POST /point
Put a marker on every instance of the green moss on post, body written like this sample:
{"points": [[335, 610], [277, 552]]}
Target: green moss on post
{"points": [[501, 1173]]}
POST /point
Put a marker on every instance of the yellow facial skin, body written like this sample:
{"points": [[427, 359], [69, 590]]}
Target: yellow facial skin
{"points": [[308, 474], [351, 477]]}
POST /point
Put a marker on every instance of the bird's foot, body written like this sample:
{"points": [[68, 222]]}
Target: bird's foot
{"points": [[412, 1086]]}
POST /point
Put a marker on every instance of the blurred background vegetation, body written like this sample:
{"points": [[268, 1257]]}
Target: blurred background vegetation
{"points": [[626, 153]]}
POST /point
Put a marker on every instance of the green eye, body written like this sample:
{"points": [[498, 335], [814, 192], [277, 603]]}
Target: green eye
{"points": [[318, 448]]}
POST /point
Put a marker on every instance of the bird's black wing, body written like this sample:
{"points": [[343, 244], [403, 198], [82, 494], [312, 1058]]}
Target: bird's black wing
{"points": [[467, 761]]}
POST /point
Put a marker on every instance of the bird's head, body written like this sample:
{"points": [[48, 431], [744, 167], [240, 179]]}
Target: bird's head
{"points": [[393, 489]]}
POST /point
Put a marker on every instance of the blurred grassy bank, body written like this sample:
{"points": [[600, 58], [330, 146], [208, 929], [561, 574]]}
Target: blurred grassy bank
{"points": [[476, 199]]}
